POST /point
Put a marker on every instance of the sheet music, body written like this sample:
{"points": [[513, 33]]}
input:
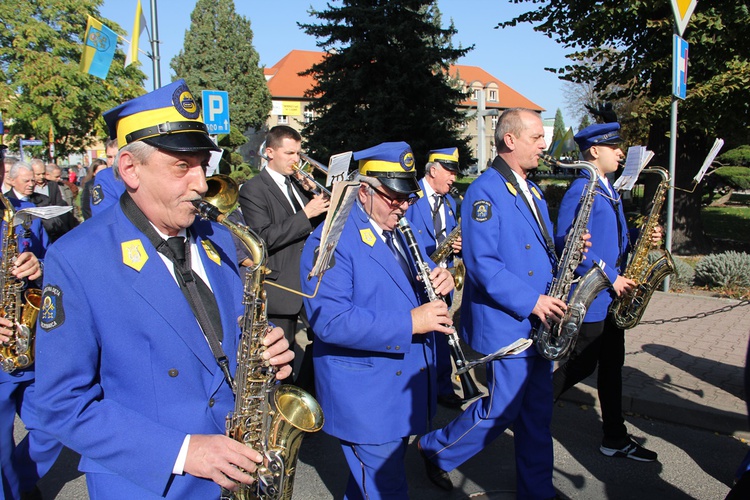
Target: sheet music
{"points": [[718, 143], [26, 215], [342, 200], [338, 167], [637, 158]]}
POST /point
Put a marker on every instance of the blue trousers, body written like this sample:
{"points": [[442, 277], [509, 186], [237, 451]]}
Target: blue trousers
{"points": [[377, 471], [22, 465], [520, 394]]}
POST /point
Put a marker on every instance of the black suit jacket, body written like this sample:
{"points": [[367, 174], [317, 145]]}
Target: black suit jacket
{"points": [[268, 212]]}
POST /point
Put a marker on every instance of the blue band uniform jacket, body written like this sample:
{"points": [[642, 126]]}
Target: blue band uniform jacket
{"points": [[126, 371], [420, 218], [374, 380], [609, 238], [507, 263]]}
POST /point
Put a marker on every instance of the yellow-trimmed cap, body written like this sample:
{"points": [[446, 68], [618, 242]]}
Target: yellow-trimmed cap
{"points": [[392, 163], [167, 118], [447, 157]]}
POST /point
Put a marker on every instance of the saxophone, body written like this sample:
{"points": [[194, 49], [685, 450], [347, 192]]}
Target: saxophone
{"points": [[268, 417], [445, 250], [556, 341], [18, 306], [628, 309]]}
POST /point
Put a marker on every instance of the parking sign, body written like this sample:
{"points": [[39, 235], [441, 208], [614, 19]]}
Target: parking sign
{"points": [[216, 111]]}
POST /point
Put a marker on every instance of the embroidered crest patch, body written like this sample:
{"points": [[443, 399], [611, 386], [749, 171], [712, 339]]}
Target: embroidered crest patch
{"points": [[97, 195], [481, 211], [133, 254], [368, 237], [52, 313], [211, 251]]}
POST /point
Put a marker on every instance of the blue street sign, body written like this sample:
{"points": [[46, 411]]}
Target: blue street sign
{"points": [[680, 62], [31, 142], [216, 111]]}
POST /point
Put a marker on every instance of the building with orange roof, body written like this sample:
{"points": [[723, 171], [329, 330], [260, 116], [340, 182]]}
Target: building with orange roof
{"points": [[290, 102]]}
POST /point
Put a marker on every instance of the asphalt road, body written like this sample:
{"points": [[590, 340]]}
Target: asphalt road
{"points": [[693, 464]]}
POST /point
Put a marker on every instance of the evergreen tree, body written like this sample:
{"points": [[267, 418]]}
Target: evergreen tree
{"points": [[385, 78], [41, 85], [626, 49], [585, 122], [559, 129], [218, 55]]}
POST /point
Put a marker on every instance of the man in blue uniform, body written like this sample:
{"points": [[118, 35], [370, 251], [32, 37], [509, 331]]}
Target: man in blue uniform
{"points": [[510, 258], [107, 186], [374, 342], [600, 342], [130, 376], [433, 216], [23, 464]]}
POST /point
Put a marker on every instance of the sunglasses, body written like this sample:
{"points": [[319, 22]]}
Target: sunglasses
{"points": [[396, 202]]}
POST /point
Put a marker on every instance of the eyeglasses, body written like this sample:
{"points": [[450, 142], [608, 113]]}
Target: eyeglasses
{"points": [[396, 202]]}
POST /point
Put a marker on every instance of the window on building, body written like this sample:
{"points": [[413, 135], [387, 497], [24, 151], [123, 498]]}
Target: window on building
{"points": [[474, 95], [494, 121], [283, 120], [493, 95], [308, 116]]}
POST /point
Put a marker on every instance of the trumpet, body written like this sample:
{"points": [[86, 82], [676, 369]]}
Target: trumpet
{"points": [[300, 169]]}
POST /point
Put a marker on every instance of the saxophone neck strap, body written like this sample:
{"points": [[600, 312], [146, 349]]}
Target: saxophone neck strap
{"points": [[185, 278], [503, 169]]}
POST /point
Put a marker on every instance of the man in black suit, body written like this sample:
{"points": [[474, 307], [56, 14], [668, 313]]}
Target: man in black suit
{"points": [[284, 216]]}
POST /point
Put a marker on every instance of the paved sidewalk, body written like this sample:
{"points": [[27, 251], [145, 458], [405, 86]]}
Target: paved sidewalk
{"points": [[689, 372]]}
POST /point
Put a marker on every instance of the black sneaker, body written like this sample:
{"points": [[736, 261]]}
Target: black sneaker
{"points": [[631, 450]]}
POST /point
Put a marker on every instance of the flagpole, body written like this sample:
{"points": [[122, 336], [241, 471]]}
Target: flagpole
{"points": [[155, 46]]}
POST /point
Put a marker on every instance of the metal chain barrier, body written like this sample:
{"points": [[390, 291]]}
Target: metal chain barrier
{"points": [[695, 316]]}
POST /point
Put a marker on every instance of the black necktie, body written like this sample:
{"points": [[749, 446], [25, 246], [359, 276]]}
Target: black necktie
{"points": [[184, 273], [396, 254], [437, 221], [290, 191]]}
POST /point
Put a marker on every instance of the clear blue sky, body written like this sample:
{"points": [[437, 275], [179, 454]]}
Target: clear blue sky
{"points": [[516, 56]]}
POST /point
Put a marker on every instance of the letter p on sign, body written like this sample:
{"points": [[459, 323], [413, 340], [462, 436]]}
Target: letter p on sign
{"points": [[216, 111]]}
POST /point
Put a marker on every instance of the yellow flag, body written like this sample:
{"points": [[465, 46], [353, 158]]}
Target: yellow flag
{"points": [[138, 26]]}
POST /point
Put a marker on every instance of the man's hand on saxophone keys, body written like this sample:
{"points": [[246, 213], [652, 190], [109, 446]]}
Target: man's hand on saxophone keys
{"points": [[623, 285], [27, 266], [549, 309], [656, 236], [456, 246], [278, 353], [6, 329], [221, 459]]}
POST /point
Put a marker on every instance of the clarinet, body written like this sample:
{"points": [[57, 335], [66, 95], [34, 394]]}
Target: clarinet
{"points": [[468, 386]]}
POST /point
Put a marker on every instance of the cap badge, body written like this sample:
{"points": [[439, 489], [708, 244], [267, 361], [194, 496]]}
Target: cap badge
{"points": [[184, 103]]}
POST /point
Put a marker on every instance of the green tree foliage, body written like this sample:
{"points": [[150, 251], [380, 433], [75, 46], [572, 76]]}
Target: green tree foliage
{"points": [[585, 122], [738, 156], [41, 85], [385, 78], [218, 54], [625, 47], [559, 126]]}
